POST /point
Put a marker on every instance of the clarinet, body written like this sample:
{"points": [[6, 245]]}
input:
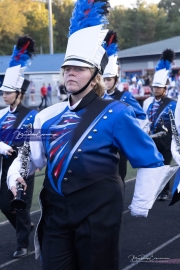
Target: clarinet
{"points": [[18, 202], [158, 135], [174, 130]]}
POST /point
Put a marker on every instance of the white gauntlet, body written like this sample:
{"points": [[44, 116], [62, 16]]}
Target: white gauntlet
{"points": [[4, 148]]}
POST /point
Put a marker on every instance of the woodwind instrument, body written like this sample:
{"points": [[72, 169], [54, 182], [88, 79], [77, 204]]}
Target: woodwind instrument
{"points": [[18, 202], [174, 130]]}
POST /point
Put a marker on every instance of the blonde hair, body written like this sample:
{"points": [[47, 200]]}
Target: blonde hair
{"points": [[99, 87]]}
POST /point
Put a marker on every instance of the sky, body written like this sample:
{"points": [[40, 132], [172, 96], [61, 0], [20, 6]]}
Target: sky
{"points": [[127, 3]]}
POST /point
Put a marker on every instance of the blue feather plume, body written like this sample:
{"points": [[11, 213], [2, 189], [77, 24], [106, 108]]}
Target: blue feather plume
{"points": [[166, 60], [22, 59], [112, 49], [111, 43], [23, 51], [88, 13], [163, 64]]}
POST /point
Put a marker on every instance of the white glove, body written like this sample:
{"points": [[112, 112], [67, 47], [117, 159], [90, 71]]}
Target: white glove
{"points": [[175, 152], [4, 148], [149, 183], [138, 212]]}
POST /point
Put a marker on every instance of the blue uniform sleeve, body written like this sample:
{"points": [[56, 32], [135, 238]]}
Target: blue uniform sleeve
{"points": [[137, 146], [129, 99]]}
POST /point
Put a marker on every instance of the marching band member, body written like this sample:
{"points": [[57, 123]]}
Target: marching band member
{"points": [[175, 149], [110, 77], [157, 110], [14, 119], [82, 196], [133, 88]]}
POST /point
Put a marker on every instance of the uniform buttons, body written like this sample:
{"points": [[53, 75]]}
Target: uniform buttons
{"points": [[75, 157], [105, 117], [110, 111], [95, 130], [89, 137], [69, 171], [79, 150], [65, 179]]}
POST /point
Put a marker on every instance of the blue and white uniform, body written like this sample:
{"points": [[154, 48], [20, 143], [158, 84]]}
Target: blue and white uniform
{"points": [[158, 116], [13, 124], [80, 147], [128, 98]]}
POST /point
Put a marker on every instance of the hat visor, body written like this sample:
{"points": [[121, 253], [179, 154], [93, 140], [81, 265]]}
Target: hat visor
{"points": [[7, 89], [76, 64], [158, 85], [108, 75]]}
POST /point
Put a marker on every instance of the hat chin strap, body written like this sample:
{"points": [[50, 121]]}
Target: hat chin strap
{"points": [[115, 81], [84, 88]]}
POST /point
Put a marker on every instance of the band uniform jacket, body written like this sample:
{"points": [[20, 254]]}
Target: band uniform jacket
{"points": [[161, 119], [13, 123], [79, 146], [128, 98]]}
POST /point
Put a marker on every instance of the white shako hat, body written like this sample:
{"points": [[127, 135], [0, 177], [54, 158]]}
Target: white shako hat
{"points": [[86, 35], [111, 48], [134, 79], [14, 77], [163, 68]]}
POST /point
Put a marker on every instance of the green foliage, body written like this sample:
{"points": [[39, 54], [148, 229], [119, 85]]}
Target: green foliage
{"points": [[172, 9], [62, 11], [12, 23], [37, 26], [141, 24]]}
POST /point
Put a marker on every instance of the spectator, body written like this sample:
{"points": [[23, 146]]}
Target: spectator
{"points": [[43, 96], [49, 94]]}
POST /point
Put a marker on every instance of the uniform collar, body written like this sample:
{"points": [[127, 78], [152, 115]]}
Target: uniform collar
{"points": [[16, 109], [85, 101]]}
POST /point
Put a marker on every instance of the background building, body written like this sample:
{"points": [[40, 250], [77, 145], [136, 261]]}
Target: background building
{"points": [[44, 68], [141, 60]]}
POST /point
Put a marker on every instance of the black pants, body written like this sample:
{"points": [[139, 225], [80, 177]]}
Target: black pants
{"points": [[20, 220], [122, 166], [43, 99], [82, 230]]}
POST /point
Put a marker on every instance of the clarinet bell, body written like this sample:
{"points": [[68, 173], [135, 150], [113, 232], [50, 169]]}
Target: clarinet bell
{"points": [[18, 203]]}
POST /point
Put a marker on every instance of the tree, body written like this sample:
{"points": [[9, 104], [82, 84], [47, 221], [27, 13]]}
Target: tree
{"points": [[62, 11], [172, 9], [37, 26], [12, 23], [139, 25]]}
